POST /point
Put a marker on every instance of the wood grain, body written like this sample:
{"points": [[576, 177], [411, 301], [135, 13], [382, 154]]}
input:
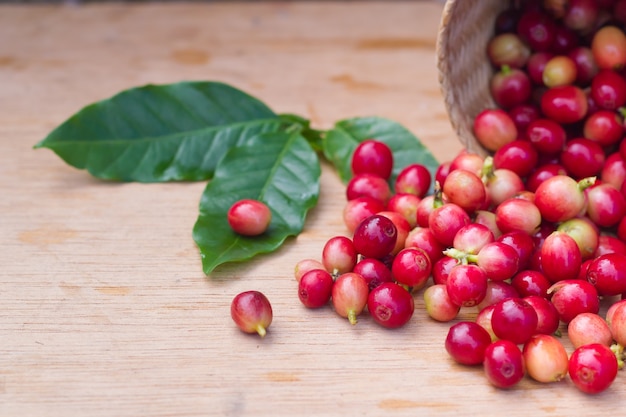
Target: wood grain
{"points": [[105, 309]]}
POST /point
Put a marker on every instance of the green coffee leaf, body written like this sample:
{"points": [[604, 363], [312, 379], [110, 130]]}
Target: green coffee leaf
{"points": [[314, 136], [161, 132], [341, 141], [280, 169]]}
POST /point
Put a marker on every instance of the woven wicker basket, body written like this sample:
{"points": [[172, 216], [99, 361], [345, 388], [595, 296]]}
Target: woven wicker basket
{"points": [[464, 70]]}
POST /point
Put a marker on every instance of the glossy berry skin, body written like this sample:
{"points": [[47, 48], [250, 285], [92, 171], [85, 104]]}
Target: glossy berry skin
{"points": [[614, 169], [496, 292], [424, 208], [507, 49], [516, 214], [402, 229], [608, 274], [498, 260], [390, 305], [523, 114], [413, 179], [252, 312], [315, 288], [559, 198], [465, 189], [545, 358], [374, 271], [442, 268], [616, 319], [372, 157], [375, 237], [547, 136], [514, 319], [467, 160], [581, 15], [423, 238], [582, 158], [406, 205], [564, 104], [560, 257], [466, 285], [472, 237], [573, 297], [537, 64], [542, 173], [584, 232], [368, 185], [609, 244], [547, 314], [442, 171], [483, 318], [445, 221], [520, 156], [586, 67], [606, 206], [608, 90], [588, 328], [559, 70], [501, 185], [494, 128], [249, 217], [438, 304], [339, 255], [466, 343], [349, 296], [504, 364], [359, 209], [510, 87], [305, 265], [487, 218], [537, 28], [604, 127], [411, 267], [530, 282], [609, 48], [522, 243], [593, 368]]}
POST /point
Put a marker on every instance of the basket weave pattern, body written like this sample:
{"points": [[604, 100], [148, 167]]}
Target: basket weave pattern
{"points": [[464, 69]]}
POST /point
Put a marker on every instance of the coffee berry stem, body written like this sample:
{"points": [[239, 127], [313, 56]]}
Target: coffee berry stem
{"points": [[461, 256], [352, 317], [586, 183], [438, 195], [619, 354], [261, 330], [487, 170]]}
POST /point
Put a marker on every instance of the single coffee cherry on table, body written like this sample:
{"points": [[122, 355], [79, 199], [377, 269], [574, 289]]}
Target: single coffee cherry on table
{"points": [[252, 312]]}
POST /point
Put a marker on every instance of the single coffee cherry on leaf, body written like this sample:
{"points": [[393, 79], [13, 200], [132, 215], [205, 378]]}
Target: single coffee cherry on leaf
{"points": [[249, 217]]}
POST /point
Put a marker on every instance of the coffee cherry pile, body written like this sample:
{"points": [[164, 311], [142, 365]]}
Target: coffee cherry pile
{"points": [[372, 271], [532, 237], [525, 261]]}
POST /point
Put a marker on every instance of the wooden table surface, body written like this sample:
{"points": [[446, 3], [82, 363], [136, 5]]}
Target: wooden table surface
{"points": [[104, 308]]}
